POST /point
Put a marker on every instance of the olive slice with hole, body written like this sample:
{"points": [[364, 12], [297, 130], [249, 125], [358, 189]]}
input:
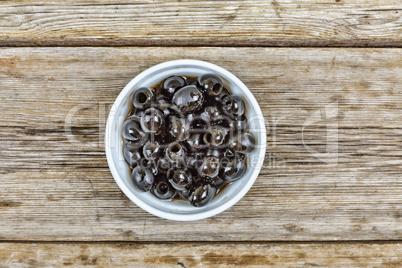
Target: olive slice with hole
{"points": [[163, 190], [142, 98]]}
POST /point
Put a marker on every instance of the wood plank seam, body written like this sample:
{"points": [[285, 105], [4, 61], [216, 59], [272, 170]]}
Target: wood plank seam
{"points": [[366, 43]]}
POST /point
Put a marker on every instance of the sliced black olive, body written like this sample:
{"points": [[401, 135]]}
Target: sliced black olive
{"points": [[202, 195], [152, 121], [142, 178], [239, 124], [215, 137], [219, 97], [192, 81], [197, 123], [145, 163], [180, 179], [242, 157], [243, 143], [233, 169], [164, 105], [229, 153], [172, 84], [211, 83], [132, 132], [195, 142], [194, 161], [211, 113], [142, 98], [188, 99], [131, 154], [163, 190], [209, 167], [233, 105], [175, 152], [223, 121], [163, 164], [214, 152], [151, 150], [178, 128]]}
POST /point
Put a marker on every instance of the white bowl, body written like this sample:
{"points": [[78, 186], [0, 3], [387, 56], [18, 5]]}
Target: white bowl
{"points": [[180, 210]]}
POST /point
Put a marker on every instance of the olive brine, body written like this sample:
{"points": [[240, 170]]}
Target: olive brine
{"points": [[186, 137]]}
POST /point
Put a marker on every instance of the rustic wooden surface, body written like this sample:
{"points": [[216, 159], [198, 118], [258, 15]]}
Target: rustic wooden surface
{"points": [[60, 186], [186, 255], [216, 23], [59, 205]]}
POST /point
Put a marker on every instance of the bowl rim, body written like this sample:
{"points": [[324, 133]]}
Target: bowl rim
{"points": [[172, 215]]}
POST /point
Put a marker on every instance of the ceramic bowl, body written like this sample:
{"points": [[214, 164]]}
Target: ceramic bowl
{"points": [[181, 210]]}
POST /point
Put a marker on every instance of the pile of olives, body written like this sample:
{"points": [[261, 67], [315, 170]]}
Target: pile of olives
{"points": [[186, 137]]}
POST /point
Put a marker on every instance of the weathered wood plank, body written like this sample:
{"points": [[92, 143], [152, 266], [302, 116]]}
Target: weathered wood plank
{"points": [[200, 255], [56, 188], [199, 23]]}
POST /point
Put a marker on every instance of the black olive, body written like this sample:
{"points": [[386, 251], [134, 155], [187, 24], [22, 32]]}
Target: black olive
{"points": [[209, 167], [152, 121], [163, 164], [194, 161], [211, 113], [163, 190], [188, 99], [233, 105], [232, 168], [142, 98], [214, 152], [195, 142], [180, 179], [219, 97], [239, 124], [142, 178], [243, 143], [164, 105], [133, 134], [172, 84], [178, 128], [215, 137], [202, 195], [175, 152], [152, 150], [211, 83], [131, 155]]}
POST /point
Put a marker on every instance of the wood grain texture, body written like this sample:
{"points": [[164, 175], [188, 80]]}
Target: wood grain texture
{"points": [[57, 186], [201, 23], [200, 255]]}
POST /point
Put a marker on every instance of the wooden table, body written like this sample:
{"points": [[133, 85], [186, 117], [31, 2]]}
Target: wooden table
{"points": [[326, 73]]}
